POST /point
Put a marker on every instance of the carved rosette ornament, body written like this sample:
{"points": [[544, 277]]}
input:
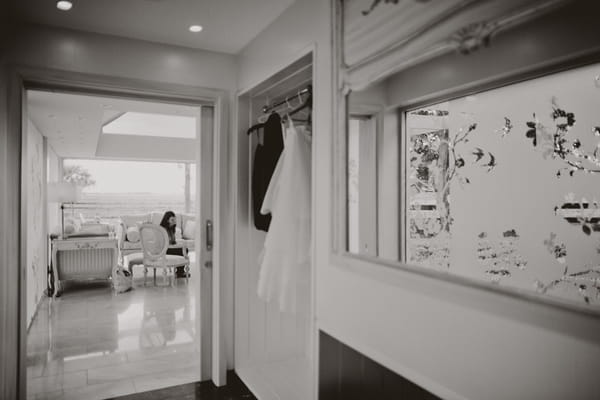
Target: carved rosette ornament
{"points": [[378, 2], [474, 36]]}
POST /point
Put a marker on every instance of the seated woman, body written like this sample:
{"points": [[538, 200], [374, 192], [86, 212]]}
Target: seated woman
{"points": [[169, 222]]}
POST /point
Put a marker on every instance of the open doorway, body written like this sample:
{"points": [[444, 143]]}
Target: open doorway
{"points": [[83, 339]]}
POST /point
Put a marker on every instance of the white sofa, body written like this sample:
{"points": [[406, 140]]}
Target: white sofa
{"points": [[127, 225]]}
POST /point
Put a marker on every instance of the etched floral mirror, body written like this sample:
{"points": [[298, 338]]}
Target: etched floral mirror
{"points": [[472, 164]]}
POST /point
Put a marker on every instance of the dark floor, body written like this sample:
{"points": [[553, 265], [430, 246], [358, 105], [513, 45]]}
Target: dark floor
{"points": [[234, 390]]}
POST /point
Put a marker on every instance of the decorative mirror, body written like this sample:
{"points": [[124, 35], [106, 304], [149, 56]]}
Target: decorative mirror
{"points": [[484, 171]]}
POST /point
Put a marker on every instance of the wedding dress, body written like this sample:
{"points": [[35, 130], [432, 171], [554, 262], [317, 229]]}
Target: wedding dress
{"points": [[285, 259]]}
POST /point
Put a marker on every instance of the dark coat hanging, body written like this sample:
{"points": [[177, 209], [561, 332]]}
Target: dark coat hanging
{"points": [[265, 161]]}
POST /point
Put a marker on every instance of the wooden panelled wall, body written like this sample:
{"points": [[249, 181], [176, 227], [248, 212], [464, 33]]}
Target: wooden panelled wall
{"points": [[346, 374]]}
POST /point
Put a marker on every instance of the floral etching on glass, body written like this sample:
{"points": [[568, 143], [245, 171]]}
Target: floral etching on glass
{"points": [[502, 186], [499, 256], [436, 159]]}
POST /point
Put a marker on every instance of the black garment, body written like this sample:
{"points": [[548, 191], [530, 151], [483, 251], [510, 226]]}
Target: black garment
{"points": [[171, 235], [265, 160], [179, 271]]}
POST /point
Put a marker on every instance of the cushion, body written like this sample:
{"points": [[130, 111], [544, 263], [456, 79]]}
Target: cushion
{"points": [[189, 231], [176, 260], [132, 245], [135, 259], [133, 220], [74, 222], [133, 234], [95, 229], [189, 243], [156, 217], [187, 217], [69, 228], [138, 258], [92, 230]]}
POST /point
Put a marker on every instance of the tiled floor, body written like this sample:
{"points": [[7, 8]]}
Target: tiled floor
{"points": [[93, 344]]}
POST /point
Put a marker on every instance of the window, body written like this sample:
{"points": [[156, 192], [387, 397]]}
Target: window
{"points": [[114, 188], [362, 185]]}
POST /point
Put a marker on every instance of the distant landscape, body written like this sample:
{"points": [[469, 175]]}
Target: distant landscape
{"points": [[113, 205]]}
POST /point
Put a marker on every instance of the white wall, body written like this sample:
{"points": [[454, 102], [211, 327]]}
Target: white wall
{"points": [[456, 341], [119, 57], [146, 148], [37, 243], [53, 175]]}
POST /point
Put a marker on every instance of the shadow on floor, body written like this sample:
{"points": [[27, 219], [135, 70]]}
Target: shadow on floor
{"points": [[234, 390]]}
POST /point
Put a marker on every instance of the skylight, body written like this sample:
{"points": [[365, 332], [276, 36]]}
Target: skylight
{"points": [[143, 124]]}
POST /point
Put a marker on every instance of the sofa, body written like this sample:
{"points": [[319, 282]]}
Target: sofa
{"points": [[128, 234]]}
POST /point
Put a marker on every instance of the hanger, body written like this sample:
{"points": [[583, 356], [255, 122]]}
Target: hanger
{"points": [[290, 110], [255, 127], [305, 105]]}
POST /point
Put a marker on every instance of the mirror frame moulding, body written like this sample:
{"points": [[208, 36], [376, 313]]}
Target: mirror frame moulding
{"points": [[469, 37], [345, 78]]}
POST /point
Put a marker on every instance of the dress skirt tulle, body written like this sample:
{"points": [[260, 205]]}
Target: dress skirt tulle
{"points": [[285, 259]]}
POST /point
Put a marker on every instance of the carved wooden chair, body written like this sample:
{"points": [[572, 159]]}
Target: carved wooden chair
{"points": [[155, 243]]}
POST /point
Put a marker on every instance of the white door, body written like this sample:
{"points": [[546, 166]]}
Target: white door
{"points": [[212, 350], [204, 169]]}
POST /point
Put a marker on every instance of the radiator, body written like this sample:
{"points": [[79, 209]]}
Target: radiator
{"points": [[85, 263]]}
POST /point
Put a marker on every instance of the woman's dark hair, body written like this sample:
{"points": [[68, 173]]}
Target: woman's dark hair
{"points": [[164, 222]]}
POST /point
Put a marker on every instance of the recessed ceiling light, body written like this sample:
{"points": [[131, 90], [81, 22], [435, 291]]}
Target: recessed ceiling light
{"points": [[64, 5], [195, 28]]}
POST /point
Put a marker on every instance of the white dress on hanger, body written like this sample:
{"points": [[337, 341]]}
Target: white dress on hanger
{"points": [[285, 259]]}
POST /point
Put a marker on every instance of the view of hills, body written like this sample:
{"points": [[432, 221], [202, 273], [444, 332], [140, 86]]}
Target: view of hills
{"points": [[113, 205]]}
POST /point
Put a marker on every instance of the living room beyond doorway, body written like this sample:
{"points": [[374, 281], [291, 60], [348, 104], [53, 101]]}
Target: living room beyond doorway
{"points": [[123, 162]]}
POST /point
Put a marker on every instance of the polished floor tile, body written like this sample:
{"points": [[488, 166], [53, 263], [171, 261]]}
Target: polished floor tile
{"points": [[93, 344]]}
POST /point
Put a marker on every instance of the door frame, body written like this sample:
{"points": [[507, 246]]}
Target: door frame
{"points": [[243, 120], [23, 78]]}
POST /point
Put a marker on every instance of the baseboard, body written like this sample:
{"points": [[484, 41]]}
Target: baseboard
{"points": [[37, 307], [254, 382]]}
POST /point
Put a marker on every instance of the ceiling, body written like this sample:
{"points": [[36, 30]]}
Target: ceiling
{"points": [[228, 24], [73, 124]]}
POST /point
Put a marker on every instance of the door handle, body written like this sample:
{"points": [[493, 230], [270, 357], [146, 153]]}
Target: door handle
{"points": [[209, 235]]}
